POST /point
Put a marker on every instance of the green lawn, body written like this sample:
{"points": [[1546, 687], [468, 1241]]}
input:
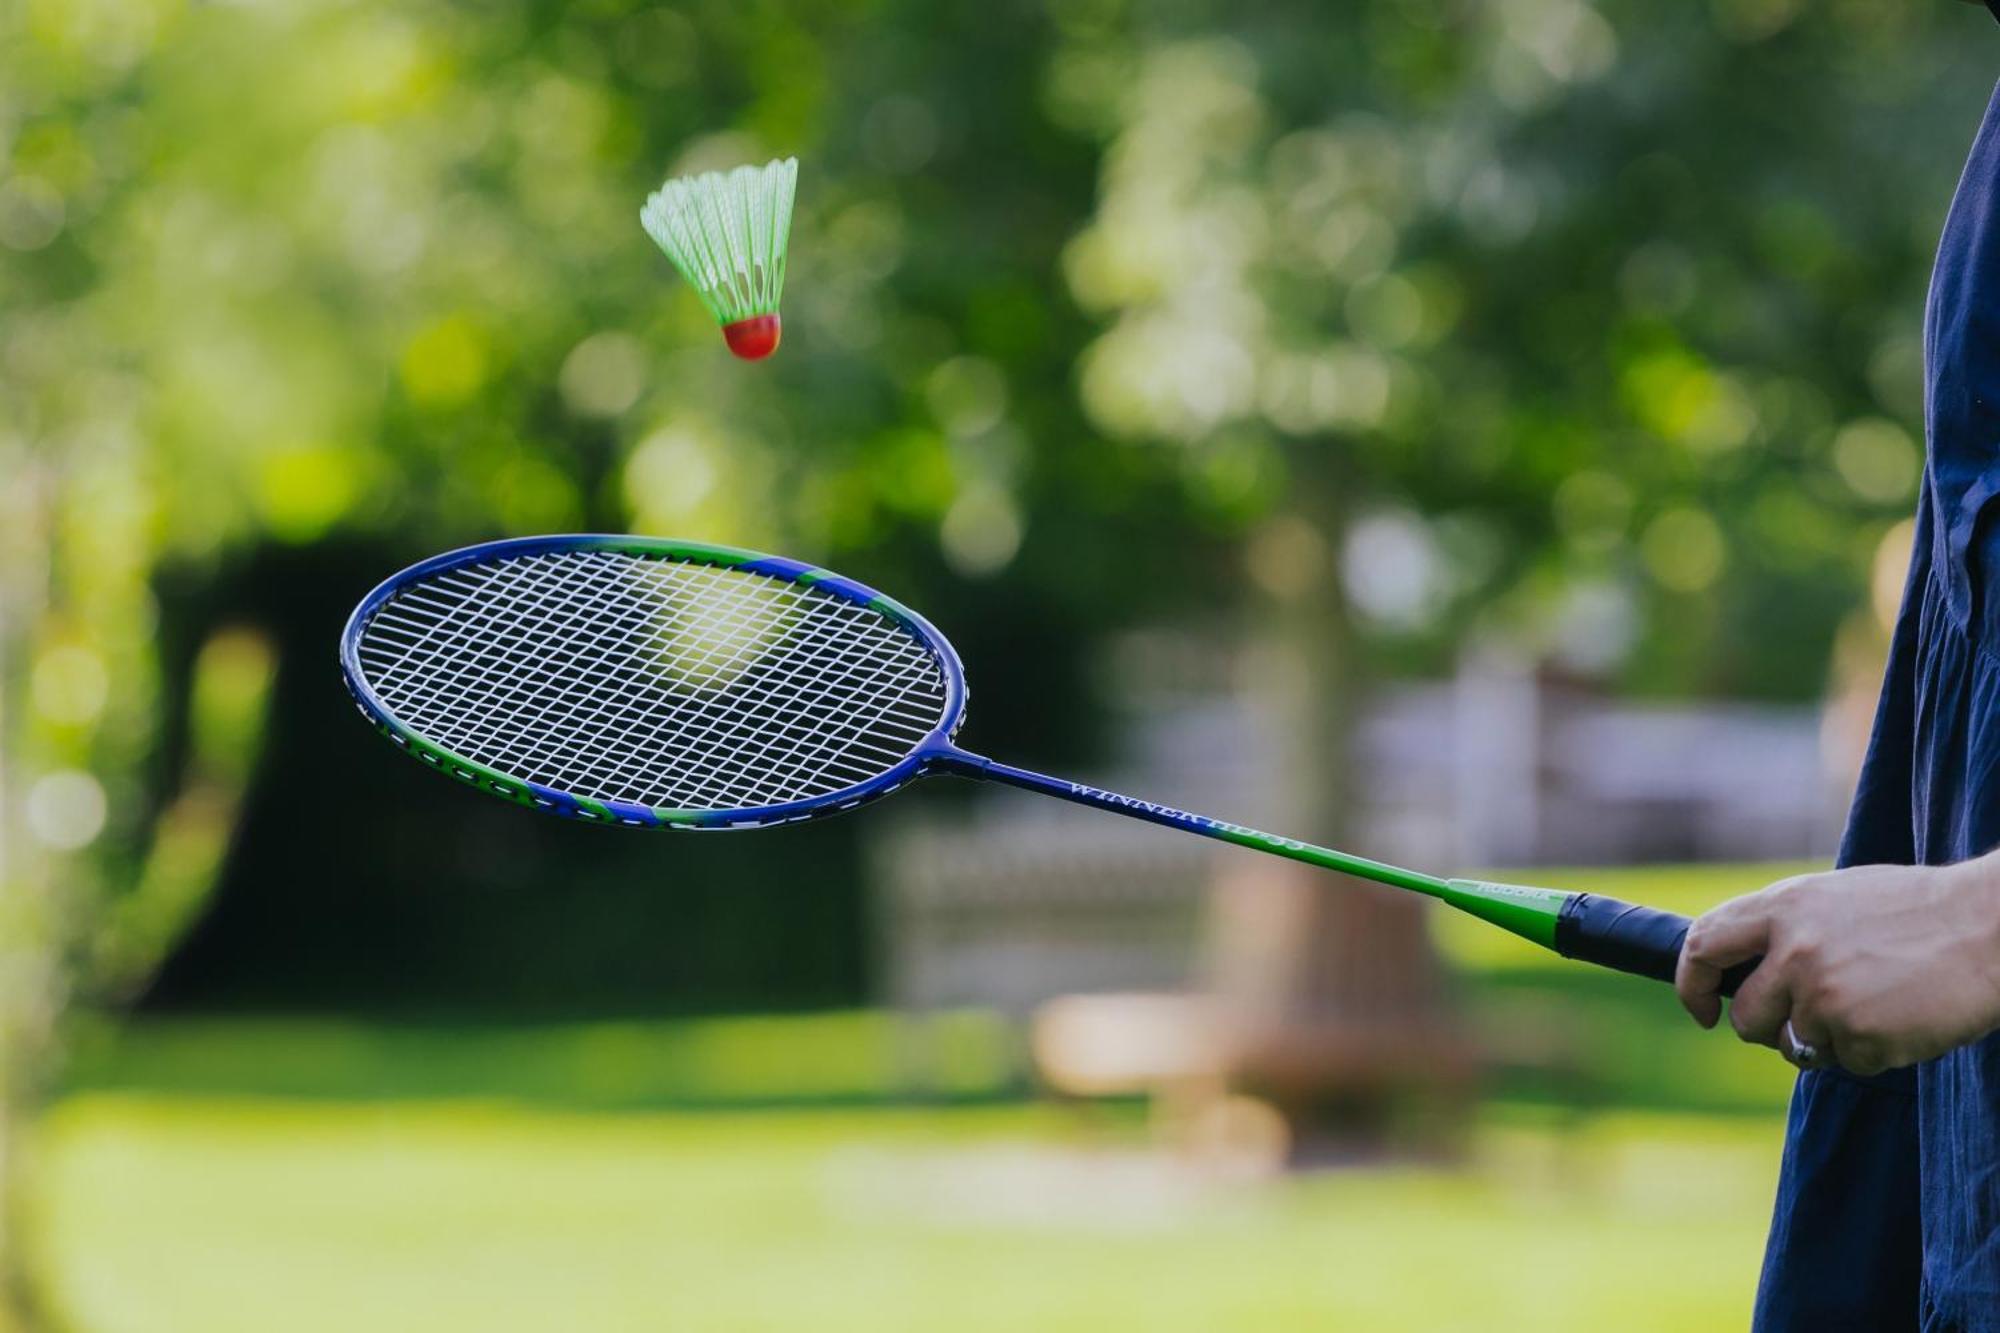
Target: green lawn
{"points": [[218, 1216], [212, 1175]]}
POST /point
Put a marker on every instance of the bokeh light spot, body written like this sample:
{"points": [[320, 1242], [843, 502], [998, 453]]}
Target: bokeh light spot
{"points": [[1287, 556], [302, 492], [1595, 627], [1388, 312], [913, 472], [1392, 570], [669, 477], [603, 374], [1592, 509], [66, 809], [981, 532], [445, 363], [1680, 398], [967, 394], [1889, 570], [1684, 550], [1877, 459], [533, 495], [70, 684]]}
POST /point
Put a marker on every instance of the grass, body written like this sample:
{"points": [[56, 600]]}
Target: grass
{"points": [[865, 1056], [213, 1175], [218, 1216]]}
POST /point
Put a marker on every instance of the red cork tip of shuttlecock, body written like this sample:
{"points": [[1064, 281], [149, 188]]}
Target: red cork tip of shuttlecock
{"points": [[753, 339]]}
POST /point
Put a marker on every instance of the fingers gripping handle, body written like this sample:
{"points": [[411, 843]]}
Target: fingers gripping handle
{"points": [[1640, 940]]}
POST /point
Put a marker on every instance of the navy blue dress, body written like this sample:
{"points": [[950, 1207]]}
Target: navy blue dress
{"points": [[1888, 1213]]}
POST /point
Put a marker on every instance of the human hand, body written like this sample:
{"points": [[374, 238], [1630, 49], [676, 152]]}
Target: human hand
{"points": [[1875, 967]]}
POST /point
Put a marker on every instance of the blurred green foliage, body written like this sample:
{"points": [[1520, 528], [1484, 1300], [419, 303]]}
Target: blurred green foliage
{"points": [[1603, 320], [1593, 326]]}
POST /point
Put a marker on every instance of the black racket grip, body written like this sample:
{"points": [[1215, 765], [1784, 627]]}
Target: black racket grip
{"points": [[1628, 938]]}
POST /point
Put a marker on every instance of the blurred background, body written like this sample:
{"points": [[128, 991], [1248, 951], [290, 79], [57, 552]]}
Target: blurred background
{"points": [[1480, 432]]}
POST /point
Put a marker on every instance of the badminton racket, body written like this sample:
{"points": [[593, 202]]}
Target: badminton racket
{"points": [[647, 683]]}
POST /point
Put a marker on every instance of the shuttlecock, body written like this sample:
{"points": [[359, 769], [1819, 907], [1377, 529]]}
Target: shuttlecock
{"points": [[726, 231]]}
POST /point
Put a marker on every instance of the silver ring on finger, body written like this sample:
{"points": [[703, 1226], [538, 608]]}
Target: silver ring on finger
{"points": [[1801, 1053]]}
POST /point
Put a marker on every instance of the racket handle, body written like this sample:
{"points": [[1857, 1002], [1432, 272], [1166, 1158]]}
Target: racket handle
{"points": [[1628, 938]]}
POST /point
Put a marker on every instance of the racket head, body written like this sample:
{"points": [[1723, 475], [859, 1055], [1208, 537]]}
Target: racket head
{"points": [[395, 696]]}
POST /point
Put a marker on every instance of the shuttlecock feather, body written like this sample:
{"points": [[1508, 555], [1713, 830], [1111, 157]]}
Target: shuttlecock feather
{"points": [[726, 231]]}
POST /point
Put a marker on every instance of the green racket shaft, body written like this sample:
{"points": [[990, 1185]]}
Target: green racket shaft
{"points": [[1588, 927]]}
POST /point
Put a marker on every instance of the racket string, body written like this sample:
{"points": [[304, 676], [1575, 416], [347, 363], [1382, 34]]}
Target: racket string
{"points": [[599, 710], [651, 681], [481, 655], [560, 651], [603, 705], [826, 752]]}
